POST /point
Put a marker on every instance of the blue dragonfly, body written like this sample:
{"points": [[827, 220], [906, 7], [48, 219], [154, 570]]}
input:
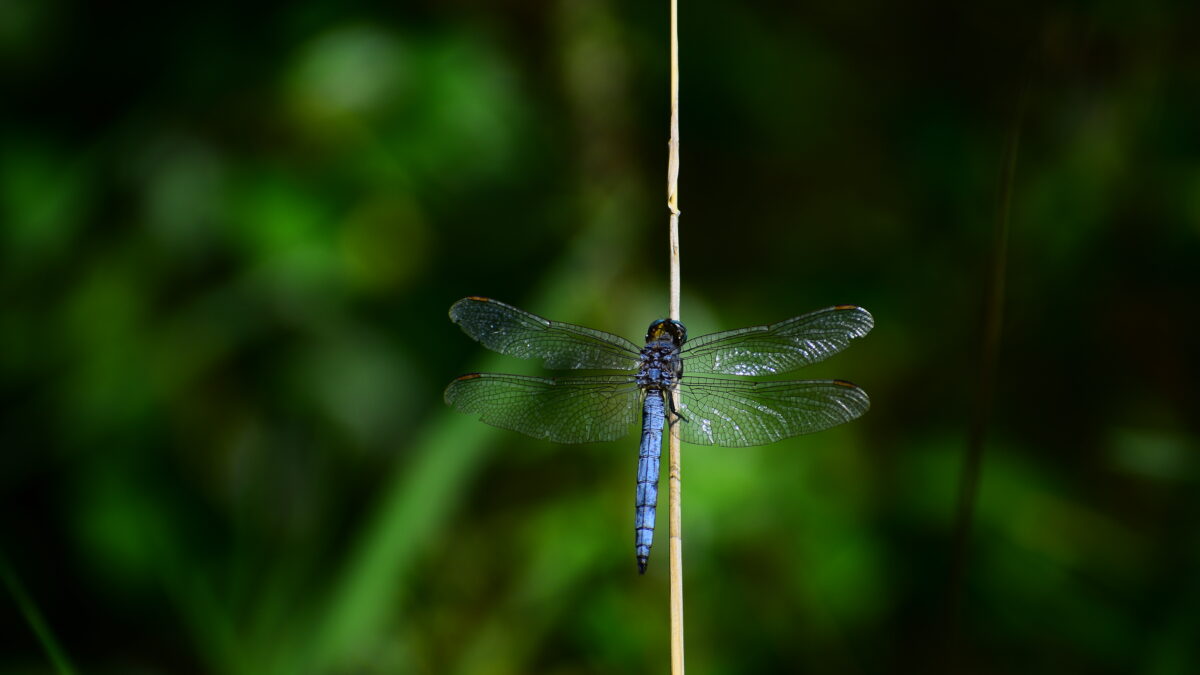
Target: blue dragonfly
{"points": [[604, 406]]}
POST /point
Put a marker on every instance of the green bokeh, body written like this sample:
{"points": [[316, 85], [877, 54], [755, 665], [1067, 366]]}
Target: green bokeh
{"points": [[229, 236]]}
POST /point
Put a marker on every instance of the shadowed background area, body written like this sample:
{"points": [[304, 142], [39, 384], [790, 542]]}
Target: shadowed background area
{"points": [[231, 232]]}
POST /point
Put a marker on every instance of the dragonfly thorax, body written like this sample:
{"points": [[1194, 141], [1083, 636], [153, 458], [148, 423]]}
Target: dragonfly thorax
{"points": [[660, 365]]}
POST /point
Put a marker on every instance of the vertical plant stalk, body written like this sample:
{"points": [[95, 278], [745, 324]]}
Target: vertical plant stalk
{"points": [[675, 538], [37, 623], [992, 323]]}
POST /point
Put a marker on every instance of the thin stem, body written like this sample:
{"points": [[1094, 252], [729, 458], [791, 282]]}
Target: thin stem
{"points": [[673, 480], [992, 323], [37, 623]]}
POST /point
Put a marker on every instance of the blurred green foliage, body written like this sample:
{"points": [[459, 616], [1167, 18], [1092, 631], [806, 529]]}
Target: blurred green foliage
{"points": [[230, 235]]}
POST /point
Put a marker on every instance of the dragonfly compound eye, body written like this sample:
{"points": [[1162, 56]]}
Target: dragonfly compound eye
{"points": [[667, 329], [655, 330], [680, 333]]}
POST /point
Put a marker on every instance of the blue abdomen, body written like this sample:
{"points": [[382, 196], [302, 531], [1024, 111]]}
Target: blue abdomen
{"points": [[653, 421]]}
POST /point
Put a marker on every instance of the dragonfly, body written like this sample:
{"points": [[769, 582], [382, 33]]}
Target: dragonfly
{"points": [[604, 405]]}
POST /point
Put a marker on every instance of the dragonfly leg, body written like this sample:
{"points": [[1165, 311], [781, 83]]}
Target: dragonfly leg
{"points": [[671, 404]]}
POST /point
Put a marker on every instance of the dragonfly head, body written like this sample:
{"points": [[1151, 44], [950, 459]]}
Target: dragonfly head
{"points": [[667, 329]]}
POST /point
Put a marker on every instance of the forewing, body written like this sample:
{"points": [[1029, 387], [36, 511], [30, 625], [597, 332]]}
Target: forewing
{"points": [[780, 347], [563, 410], [734, 413], [560, 346]]}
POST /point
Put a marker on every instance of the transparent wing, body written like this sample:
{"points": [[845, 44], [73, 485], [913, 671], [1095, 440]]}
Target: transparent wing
{"points": [[733, 413], [780, 347], [563, 410], [560, 346]]}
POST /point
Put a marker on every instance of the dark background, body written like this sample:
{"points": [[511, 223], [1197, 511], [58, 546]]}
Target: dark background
{"points": [[231, 233]]}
